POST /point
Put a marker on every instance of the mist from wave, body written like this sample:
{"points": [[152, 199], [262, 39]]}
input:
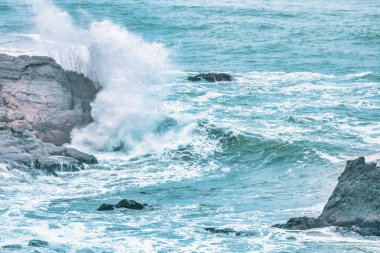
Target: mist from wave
{"points": [[125, 66]]}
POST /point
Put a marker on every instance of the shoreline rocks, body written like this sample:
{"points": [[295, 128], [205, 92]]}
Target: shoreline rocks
{"points": [[40, 104], [211, 77], [354, 204]]}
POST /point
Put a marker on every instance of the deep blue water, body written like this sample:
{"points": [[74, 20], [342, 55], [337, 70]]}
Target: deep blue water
{"points": [[244, 155]]}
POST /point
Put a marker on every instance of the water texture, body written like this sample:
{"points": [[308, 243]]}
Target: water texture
{"points": [[244, 155]]}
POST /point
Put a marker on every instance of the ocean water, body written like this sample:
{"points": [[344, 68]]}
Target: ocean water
{"points": [[244, 155]]}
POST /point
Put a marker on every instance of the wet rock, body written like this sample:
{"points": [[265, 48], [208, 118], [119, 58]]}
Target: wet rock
{"points": [[220, 230], [59, 163], [354, 204], [38, 243], [80, 156], [129, 204], [12, 247], [211, 77], [106, 207], [125, 203], [229, 231], [302, 223]]}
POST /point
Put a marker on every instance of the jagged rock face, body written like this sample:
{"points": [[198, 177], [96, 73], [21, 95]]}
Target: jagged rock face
{"points": [[356, 199], [354, 204], [38, 94], [40, 104]]}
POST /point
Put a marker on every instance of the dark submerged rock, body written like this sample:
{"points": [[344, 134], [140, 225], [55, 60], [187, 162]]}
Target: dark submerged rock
{"points": [[211, 77], [12, 247], [354, 203], [220, 230], [38, 243], [106, 207], [125, 203], [229, 231], [129, 204]]}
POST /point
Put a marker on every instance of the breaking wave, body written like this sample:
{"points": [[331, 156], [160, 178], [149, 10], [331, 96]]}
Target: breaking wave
{"points": [[126, 67]]}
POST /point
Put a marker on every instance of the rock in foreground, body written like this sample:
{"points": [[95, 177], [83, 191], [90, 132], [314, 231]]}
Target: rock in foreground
{"points": [[38, 94], [211, 77], [40, 104], [354, 204]]}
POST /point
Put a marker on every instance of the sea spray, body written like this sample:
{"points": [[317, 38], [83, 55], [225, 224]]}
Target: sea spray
{"points": [[125, 66], [59, 37]]}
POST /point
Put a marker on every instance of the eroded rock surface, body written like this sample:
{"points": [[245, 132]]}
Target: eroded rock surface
{"points": [[40, 104], [354, 204], [211, 77], [38, 94]]}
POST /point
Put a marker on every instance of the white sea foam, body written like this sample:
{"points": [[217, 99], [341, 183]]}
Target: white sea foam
{"points": [[330, 158], [124, 64], [271, 78]]}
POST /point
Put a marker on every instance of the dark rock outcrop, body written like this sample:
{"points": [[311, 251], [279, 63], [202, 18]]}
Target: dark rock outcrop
{"points": [[354, 205], [211, 77], [125, 203], [302, 223], [229, 231], [106, 207], [40, 104], [59, 163], [220, 230], [129, 204]]}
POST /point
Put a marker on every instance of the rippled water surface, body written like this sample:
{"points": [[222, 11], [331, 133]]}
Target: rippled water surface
{"points": [[245, 154]]}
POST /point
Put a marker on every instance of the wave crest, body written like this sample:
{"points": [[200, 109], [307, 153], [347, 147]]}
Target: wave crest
{"points": [[126, 66]]}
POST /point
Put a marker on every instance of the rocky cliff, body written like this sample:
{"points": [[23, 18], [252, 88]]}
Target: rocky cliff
{"points": [[354, 205], [40, 104]]}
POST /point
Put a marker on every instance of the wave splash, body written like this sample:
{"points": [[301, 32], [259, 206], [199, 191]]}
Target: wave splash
{"points": [[126, 67]]}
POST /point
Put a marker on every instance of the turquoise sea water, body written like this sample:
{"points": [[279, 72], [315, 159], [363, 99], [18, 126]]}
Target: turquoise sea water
{"points": [[243, 155]]}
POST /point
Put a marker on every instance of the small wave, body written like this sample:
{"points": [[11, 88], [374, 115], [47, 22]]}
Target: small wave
{"points": [[281, 77]]}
